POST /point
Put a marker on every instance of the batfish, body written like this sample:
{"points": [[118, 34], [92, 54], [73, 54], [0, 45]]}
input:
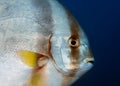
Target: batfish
{"points": [[41, 44]]}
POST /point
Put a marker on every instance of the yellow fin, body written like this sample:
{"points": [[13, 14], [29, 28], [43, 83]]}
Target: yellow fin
{"points": [[28, 57]]}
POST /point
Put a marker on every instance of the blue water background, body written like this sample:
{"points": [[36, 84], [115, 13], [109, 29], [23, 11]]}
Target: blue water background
{"points": [[100, 19]]}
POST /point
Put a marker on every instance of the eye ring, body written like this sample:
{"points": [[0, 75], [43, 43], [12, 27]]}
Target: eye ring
{"points": [[74, 43]]}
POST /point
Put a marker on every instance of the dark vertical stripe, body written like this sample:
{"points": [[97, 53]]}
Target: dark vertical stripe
{"points": [[75, 53]]}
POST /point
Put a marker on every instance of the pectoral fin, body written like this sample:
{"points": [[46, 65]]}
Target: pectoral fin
{"points": [[32, 59]]}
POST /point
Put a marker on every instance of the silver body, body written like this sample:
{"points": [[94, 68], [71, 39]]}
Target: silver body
{"points": [[27, 25]]}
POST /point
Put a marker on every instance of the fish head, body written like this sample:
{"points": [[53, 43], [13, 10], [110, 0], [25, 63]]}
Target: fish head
{"points": [[69, 47]]}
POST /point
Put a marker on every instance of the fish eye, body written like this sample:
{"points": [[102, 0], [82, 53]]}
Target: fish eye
{"points": [[74, 43]]}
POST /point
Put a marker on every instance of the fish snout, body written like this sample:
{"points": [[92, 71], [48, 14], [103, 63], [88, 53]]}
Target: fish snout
{"points": [[86, 64], [89, 60]]}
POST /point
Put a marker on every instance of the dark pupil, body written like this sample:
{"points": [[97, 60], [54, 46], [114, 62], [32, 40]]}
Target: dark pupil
{"points": [[73, 42]]}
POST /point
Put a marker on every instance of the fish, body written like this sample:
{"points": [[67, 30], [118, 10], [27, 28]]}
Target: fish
{"points": [[41, 44]]}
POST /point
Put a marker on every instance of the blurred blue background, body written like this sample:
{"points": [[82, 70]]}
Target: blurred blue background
{"points": [[100, 19]]}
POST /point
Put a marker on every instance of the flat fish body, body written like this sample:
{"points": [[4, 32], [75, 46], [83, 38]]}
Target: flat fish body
{"points": [[41, 27]]}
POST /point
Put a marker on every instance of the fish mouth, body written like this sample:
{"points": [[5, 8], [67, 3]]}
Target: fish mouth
{"points": [[84, 66]]}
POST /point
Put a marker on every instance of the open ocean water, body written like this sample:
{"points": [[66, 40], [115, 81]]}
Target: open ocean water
{"points": [[100, 19]]}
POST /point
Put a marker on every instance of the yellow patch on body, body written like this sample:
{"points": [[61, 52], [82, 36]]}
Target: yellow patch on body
{"points": [[35, 80]]}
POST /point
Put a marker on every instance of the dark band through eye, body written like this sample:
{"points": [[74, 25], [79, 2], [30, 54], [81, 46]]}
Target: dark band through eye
{"points": [[73, 42]]}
